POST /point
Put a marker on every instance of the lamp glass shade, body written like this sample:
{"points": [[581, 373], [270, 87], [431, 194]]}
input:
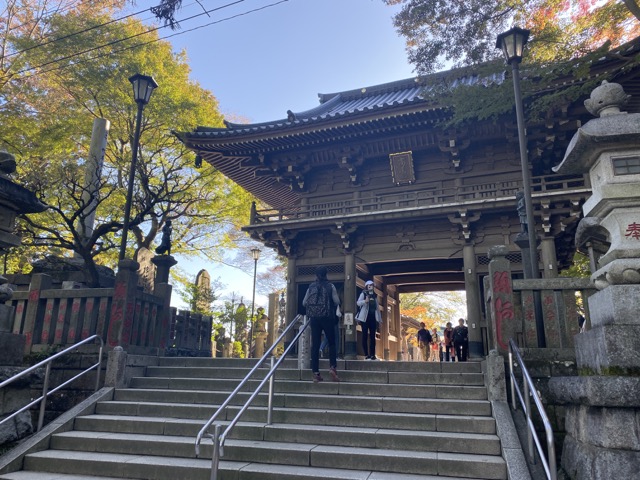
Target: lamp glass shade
{"points": [[143, 87], [255, 253], [512, 43]]}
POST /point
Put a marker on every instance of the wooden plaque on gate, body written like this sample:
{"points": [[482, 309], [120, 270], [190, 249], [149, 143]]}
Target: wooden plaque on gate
{"points": [[402, 168]]}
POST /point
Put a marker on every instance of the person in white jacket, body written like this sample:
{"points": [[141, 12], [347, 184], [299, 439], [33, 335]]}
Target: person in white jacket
{"points": [[369, 318]]}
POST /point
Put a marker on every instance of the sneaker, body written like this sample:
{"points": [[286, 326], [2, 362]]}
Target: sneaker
{"points": [[373, 357], [317, 378], [367, 358], [334, 374]]}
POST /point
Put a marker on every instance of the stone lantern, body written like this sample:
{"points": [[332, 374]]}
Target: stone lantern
{"points": [[14, 200], [602, 439]]}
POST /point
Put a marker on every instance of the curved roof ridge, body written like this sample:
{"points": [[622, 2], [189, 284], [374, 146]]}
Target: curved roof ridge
{"points": [[371, 90], [320, 109]]}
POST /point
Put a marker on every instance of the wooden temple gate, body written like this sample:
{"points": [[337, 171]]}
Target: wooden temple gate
{"points": [[373, 185]]}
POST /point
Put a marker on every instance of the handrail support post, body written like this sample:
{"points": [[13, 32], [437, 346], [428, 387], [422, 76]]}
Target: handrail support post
{"points": [[43, 403], [215, 456], [270, 405]]}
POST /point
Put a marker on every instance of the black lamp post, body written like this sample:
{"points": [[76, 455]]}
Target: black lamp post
{"points": [[143, 87], [512, 44], [255, 253]]}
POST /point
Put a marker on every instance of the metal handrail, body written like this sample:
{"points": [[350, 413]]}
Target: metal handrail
{"points": [[45, 387], [219, 439], [530, 391]]}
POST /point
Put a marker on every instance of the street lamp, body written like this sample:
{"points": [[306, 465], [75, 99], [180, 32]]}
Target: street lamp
{"points": [[143, 87], [255, 253], [512, 44]]}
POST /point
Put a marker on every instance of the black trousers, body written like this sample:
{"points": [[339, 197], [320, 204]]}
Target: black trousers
{"points": [[319, 325], [369, 336], [462, 350]]}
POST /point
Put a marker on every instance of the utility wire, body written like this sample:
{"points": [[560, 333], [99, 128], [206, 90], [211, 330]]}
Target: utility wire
{"points": [[146, 43], [43, 16], [88, 29], [120, 40]]}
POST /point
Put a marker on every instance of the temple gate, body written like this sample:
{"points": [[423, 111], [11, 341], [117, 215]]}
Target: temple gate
{"points": [[372, 186]]}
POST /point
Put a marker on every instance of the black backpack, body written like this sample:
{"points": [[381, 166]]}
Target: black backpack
{"points": [[319, 301]]}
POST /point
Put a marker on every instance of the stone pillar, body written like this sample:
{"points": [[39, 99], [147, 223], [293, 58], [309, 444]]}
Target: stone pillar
{"points": [[602, 439], [39, 282], [163, 319], [549, 259], [472, 288], [163, 265], [123, 305], [501, 314], [349, 310], [11, 344]]}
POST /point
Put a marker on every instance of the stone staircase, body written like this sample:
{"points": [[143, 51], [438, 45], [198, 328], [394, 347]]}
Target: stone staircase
{"points": [[384, 421]]}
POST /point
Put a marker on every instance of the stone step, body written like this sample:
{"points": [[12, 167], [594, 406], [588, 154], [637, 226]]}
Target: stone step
{"points": [[384, 421], [437, 441], [181, 426], [269, 472], [288, 401], [471, 392], [395, 366], [323, 462], [362, 376], [280, 399]]}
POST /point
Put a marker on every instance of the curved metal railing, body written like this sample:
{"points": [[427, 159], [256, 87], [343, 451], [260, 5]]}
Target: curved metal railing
{"points": [[549, 463], [216, 436], [45, 388]]}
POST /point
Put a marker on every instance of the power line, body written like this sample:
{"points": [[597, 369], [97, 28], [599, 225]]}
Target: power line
{"points": [[80, 32], [146, 43], [115, 42], [43, 16]]}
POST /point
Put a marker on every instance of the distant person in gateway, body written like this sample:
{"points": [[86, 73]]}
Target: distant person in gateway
{"points": [[461, 341], [369, 318]]}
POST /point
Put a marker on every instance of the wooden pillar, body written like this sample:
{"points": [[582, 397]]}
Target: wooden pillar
{"points": [[384, 329], [292, 297], [549, 259], [349, 310], [472, 287], [272, 313], [401, 353]]}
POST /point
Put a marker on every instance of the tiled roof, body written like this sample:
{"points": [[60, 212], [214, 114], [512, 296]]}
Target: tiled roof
{"points": [[343, 104]]}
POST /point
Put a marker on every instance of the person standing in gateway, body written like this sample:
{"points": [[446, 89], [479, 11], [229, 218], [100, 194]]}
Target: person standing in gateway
{"points": [[369, 318], [461, 341], [320, 310]]}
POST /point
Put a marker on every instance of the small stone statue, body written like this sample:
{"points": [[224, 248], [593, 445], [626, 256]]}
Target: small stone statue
{"points": [[165, 243], [522, 212]]}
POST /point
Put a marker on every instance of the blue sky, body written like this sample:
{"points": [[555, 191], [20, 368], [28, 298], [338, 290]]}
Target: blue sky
{"points": [[261, 64]]}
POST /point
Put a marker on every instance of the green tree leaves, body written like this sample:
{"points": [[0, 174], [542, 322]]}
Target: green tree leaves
{"points": [[83, 59]]}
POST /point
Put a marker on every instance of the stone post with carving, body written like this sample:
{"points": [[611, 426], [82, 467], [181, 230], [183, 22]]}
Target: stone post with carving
{"points": [[603, 439]]}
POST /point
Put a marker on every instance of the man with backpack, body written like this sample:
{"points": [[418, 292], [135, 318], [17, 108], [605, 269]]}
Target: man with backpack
{"points": [[461, 340], [322, 306]]}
